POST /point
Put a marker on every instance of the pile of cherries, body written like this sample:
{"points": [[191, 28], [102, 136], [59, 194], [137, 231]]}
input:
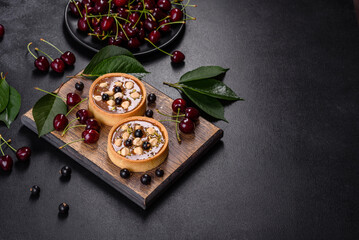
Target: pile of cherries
{"points": [[92, 127], [23, 154], [190, 115], [58, 64], [129, 23]]}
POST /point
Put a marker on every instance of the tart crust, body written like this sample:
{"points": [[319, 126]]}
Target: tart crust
{"points": [[111, 119], [138, 165]]}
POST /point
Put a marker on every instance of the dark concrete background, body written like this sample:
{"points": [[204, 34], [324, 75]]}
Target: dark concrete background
{"points": [[287, 167]]}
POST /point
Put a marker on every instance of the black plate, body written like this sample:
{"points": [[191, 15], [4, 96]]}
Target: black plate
{"points": [[96, 45]]}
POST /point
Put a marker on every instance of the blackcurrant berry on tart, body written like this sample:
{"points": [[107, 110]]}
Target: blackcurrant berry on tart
{"points": [[138, 144], [116, 96]]}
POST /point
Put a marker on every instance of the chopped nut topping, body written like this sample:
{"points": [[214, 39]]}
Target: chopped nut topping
{"points": [[125, 136], [125, 151], [118, 95], [153, 142], [135, 95], [97, 98], [138, 150], [103, 85], [129, 85], [150, 130], [124, 127], [137, 127], [119, 84], [125, 104], [137, 142], [110, 93], [118, 142], [111, 103]]}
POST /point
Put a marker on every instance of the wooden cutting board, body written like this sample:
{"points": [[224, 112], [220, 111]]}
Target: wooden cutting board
{"points": [[94, 157]]}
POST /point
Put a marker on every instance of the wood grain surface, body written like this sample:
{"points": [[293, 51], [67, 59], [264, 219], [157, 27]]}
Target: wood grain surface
{"points": [[94, 157]]}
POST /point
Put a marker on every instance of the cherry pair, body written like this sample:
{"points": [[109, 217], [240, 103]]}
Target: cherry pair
{"points": [[57, 64], [22, 154]]}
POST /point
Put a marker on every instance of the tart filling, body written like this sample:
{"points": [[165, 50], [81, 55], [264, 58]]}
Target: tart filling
{"points": [[117, 94], [137, 140]]}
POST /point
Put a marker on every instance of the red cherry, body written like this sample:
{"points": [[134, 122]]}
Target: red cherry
{"points": [[60, 122], [69, 58], [177, 57], [176, 15], [134, 43], [82, 24], [186, 125], [73, 99], [6, 163], [92, 124], [2, 30], [107, 23], [101, 6], [192, 113], [165, 28], [149, 4], [120, 3], [134, 17], [164, 5], [158, 14], [114, 41], [73, 8], [141, 34], [179, 103], [82, 115], [58, 65], [150, 25], [90, 136], [130, 30], [42, 64], [154, 36], [23, 154], [122, 13]]}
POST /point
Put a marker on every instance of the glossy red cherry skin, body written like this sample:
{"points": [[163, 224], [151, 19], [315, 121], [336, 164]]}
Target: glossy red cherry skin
{"points": [[176, 15], [179, 103], [186, 125], [23, 154], [58, 65], [134, 43], [134, 17], [42, 64], [90, 136], [120, 3], [192, 113], [69, 58], [130, 30], [149, 4], [158, 14], [141, 34], [60, 122], [164, 5], [6, 163], [165, 28], [177, 57], [93, 124], [2, 30], [73, 8], [73, 99], [114, 41], [122, 13], [82, 25], [154, 36], [83, 115], [101, 6], [107, 23], [150, 25]]}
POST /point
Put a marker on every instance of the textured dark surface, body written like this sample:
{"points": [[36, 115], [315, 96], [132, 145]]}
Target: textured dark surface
{"points": [[287, 167]]}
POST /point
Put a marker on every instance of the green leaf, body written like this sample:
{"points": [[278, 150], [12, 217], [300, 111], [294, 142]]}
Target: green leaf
{"points": [[45, 111], [104, 53], [121, 64], [212, 88], [4, 94], [208, 104], [203, 73], [12, 109]]}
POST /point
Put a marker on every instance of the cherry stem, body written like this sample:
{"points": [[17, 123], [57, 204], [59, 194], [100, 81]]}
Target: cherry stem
{"points": [[44, 53], [52, 94], [75, 106], [87, 20], [169, 24], [52, 45], [191, 18], [4, 142], [2, 152], [79, 140], [169, 120], [65, 131], [158, 47], [163, 19], [68, 125], [7, 144], [3, 76], [178, 137], [181, 115], [109, 7], [28, 48]]}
